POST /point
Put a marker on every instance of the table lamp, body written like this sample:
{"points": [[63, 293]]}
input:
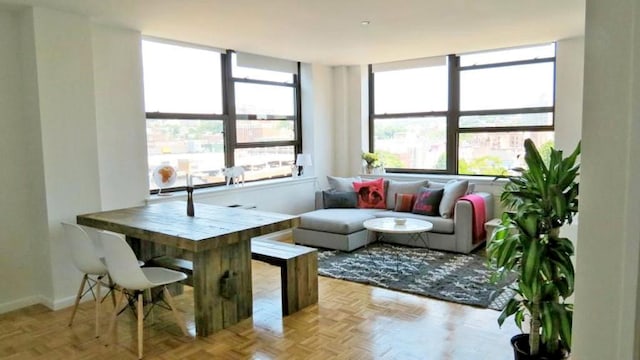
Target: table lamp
{"points": [[303, 160]]}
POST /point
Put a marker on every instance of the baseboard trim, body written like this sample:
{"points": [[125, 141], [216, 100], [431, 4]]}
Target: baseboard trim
{"points": [[65, 302], [19, 304], [38, 299]]}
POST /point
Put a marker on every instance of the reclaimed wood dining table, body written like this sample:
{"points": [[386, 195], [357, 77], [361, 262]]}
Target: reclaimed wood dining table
{"points": [[217, 240]]}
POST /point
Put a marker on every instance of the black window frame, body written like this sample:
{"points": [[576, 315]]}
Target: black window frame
{"points": [[297, 110], [229, 118], [453, 113]]}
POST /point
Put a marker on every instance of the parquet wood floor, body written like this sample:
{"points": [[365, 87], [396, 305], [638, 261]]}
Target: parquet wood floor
{"points": [[351, 321]]}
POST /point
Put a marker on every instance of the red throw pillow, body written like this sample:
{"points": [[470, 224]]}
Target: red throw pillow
{"points": [[428, 202], [404, 202], [371, 194]]}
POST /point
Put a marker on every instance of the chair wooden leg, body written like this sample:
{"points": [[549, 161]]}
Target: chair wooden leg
{"points": [[75, 305], [140, 306], [176, 315], [112, 289], [148, 297], [114, 316], [98, 301]]}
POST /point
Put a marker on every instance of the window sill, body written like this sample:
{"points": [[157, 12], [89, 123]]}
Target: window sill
{"points": [[484, 180], [225, 190]]}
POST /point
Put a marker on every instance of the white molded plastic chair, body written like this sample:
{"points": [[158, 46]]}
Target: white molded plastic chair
{"points": [[125, 272], [86, 259]]}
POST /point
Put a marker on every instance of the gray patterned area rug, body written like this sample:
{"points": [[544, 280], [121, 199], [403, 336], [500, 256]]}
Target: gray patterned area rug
{"points": [[442, 275]]}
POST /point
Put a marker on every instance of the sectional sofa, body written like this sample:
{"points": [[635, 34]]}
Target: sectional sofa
{"points": [[338, 224]]}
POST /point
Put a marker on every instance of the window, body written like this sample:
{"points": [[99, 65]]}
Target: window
{"points": [[266, 122], [468, 116], [205, 112], [506, 96], [409, 127]]}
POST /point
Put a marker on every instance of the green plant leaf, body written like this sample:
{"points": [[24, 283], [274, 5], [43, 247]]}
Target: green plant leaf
{"points": [[563, 263], [571, 159], [563, 245], [506, 252], [565, 317], [537, 170], [558, 201], [547, 322], [528, 225], [531, 265], [510, 309]]}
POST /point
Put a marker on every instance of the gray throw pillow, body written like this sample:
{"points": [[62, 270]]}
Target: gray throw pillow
{"points": [[436, 185], [339, 199], [453, 190], [342, 183], [403, 187]]}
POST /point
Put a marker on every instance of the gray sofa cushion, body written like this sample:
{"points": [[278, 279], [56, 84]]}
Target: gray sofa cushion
{"points": [[402, 187], [440, 224], [337, 221], [342, 183], [339, 199]]}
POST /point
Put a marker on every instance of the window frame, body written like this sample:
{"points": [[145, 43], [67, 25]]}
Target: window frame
{"points": [[453, 113], [229, 117], [232, 130]]}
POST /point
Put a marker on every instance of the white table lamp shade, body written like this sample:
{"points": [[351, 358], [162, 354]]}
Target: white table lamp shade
{"points": [[303, 160]]}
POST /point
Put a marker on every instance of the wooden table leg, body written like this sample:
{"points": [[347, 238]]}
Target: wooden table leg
{"points": [[213, 312]]}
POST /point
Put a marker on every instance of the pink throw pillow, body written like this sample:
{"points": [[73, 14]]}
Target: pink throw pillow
{"points": [[371, 194]]}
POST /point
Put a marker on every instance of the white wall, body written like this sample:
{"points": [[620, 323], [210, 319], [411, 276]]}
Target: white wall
{"points": [[606, 299], [120, 117], [359, 113], [64, 68], [17, 191], [340, 130], [318, 123], [351, 118], [36, 207], [569, 78]]}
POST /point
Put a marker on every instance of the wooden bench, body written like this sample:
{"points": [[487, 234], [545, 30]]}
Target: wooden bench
{"points": [[298, 270]]}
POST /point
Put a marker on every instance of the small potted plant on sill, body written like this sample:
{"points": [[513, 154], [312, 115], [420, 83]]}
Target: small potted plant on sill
{"points": [[540, 200], [372, 161]]}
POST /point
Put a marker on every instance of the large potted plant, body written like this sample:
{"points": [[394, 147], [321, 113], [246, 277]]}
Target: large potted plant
{"points": [[539, 201]]}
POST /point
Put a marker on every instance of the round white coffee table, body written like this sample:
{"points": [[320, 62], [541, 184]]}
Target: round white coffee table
{"points": [[416, 229], [388, 225]]}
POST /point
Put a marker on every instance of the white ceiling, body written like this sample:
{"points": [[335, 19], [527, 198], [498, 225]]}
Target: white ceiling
{"points": [[329, 31]]}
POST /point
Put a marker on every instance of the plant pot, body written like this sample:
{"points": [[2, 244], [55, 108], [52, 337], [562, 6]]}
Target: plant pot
{"points": [[369, 170], [520, 345]]}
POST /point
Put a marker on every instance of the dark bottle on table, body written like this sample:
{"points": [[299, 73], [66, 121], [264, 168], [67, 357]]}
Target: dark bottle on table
{"points": [[190, 211]]}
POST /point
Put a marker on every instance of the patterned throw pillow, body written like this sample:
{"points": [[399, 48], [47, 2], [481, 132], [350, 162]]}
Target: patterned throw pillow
{"points": [[404, 202], [371, 194], [428, 202], [339, 199], [403, 187]]}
